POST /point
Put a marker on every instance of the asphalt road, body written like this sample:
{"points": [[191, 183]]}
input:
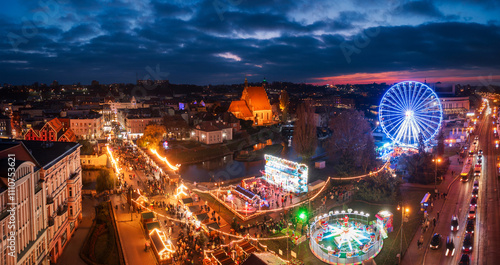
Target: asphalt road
{"points": [[487, 225]]}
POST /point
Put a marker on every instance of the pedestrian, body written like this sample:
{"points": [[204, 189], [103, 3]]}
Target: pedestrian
{"points": [[438, 215], [434, 221]]}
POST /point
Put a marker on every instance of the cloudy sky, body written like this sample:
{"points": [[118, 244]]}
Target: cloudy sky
{"points": [[222, 41]]}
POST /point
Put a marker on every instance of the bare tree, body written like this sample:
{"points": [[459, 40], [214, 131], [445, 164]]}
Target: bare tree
{"points": [[284, 103], [351, 144], [304, 134]]}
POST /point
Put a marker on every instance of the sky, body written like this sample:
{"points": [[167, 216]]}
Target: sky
{"points": [[223, 41]]}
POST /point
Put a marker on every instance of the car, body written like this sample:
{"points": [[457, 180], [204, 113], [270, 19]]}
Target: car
{"points": [[480, 156], [435, 241], [454, 223], [464, 260], [469, 228], [473, 202], [479, 161], [477, 137], [475, 193], [472, 213], [476, 184], [467, 245], [480, 151], [450, 247]]}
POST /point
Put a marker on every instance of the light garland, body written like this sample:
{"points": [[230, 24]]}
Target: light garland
{"points": [[231, 235], [164, 159], [113, 161]]}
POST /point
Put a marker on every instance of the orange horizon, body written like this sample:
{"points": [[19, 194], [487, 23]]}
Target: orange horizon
{"points": [[431, 76]]}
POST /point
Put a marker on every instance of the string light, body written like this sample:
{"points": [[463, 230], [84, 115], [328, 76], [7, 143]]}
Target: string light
{"points": [[176, 167], [113, 161]]}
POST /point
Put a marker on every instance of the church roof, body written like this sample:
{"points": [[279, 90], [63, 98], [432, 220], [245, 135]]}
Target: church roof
{"points": [[240, 106], [258, 98]]}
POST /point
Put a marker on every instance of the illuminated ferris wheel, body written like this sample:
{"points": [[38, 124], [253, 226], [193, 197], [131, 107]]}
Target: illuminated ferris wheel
{"points": [[407, 109]]}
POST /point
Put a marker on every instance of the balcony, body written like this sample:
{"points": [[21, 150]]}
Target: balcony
{"points": [[38, 187], [51, 221], [74, 175], [62, 210], [50, 200], [3, 214]]}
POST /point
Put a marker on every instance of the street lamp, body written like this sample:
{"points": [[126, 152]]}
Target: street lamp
{"points": [[436, 161], [404, 218]]}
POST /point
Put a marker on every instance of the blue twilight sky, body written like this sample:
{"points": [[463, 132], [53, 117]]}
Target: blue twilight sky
{"points": [[222, 41]]}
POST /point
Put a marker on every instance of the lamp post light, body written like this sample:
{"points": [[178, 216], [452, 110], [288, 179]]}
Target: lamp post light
{"points": [[436, 161], [404, 216]]}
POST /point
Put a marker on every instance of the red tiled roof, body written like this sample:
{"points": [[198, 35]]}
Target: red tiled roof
{"points": [[257, 98], [241, 107]]}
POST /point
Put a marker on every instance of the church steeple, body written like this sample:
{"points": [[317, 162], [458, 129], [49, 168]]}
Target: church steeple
{"points": [[246, 82]]}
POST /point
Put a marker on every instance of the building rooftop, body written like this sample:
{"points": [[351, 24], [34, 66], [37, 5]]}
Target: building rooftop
{"points": [[45, 153]]}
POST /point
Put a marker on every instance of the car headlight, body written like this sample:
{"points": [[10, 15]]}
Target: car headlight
{"points": [[470, 247]]}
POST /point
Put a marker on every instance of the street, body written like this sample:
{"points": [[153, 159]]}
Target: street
{"points": [[486, 232]]}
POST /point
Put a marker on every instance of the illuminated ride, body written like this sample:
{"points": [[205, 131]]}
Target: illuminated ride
{"points": [[407, 109], [345, 237]]}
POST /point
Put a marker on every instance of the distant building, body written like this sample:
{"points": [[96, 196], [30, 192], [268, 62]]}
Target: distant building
{"points": [[5, 126], [212, 132], [455, 105], [88, 126], [254, 105], [55, 130], [47, 199]]}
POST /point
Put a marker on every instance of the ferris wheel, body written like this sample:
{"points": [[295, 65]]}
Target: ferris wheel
{"points": [[407, 109]]}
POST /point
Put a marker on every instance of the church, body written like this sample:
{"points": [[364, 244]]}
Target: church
{"points": [[254, 105]]}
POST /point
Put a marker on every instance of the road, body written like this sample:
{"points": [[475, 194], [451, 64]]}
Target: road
{"points": [[487, 230]]}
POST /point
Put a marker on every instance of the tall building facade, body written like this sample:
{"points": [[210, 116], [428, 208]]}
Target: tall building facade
{"points": [[40, 200]]}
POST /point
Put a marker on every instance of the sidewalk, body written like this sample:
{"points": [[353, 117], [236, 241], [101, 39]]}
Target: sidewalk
{"points": [[71, 253], [413, 254], [131, 235]]}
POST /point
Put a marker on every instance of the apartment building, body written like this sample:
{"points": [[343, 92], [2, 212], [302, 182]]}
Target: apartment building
{"points": [[40, 201]]}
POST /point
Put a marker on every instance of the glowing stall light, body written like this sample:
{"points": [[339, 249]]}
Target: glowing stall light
{"points": [[176, 167], [113, 161], [408, 109], [167, 246], [181, 190]]}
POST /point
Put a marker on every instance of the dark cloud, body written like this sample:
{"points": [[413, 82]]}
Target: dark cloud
{"points": [[114, 42], [421, 8]]}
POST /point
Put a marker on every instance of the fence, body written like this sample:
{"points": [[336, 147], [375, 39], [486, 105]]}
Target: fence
{"points": [[322, 253]]}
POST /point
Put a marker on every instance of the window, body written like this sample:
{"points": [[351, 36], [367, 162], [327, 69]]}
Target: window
{"points": [[70, 192], [71, 210]]}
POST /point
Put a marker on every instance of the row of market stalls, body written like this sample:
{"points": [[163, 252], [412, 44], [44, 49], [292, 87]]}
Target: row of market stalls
{"points": [[243, 252]]}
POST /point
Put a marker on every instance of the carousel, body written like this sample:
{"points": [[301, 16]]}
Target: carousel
{"points": [[345, 237]]}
